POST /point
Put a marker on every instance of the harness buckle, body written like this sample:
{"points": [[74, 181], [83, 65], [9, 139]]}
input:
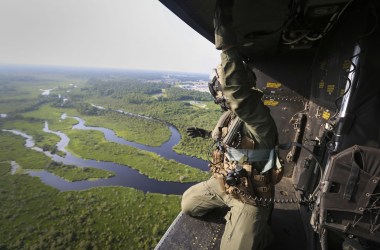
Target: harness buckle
{"points": [[263, 189], [259, 177]]}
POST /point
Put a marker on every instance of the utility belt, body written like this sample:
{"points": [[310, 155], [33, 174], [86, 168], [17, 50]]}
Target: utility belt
{"points": [[237, 174], [235, 161]]}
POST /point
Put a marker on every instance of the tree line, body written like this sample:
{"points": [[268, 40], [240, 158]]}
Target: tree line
{"points": [[138, 92]]}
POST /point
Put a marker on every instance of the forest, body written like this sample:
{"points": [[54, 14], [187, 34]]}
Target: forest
{"points": [[137, 92], [37, 216]]}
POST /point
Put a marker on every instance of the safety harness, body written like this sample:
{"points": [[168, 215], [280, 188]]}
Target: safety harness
{"points": [[235, 159]]}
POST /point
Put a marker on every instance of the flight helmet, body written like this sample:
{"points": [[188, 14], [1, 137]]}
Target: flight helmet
{"points": [[216, 91]]}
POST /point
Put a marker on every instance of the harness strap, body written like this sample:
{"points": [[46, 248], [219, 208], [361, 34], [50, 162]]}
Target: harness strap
{"points": [[263, 189], [352, 179], [216, 133], [271, 162], [252, 155], [260, 178]]}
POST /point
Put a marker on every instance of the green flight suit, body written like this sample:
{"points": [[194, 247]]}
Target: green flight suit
{"points": [[246, 225], [245, 100]]}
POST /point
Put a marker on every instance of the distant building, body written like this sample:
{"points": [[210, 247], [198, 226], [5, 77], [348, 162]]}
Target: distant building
{"points": [[46, 92], [154, 81], [199, 85], [98, 107]]}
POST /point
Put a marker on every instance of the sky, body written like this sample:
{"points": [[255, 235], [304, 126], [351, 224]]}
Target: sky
{"points": [[132, 34]]}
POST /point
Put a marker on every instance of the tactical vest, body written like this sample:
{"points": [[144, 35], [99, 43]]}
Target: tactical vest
{"points": [[234, 160]]}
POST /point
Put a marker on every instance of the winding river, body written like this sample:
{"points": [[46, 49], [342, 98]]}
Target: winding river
{"points": [[124, 175]]}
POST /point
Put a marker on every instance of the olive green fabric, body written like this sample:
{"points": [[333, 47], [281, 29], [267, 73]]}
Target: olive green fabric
{"points": [[245, 100], [223, 19], [246, 225]]}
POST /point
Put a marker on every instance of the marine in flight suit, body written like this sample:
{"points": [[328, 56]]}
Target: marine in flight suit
{"points": [[246, 222]]}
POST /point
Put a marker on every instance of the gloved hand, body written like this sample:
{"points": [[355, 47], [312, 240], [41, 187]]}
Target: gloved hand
{"points": [[198, 132], [225, 35]]}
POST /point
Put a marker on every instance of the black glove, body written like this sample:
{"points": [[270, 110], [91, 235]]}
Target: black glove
{"points": [[224, 33], [198, 132]]}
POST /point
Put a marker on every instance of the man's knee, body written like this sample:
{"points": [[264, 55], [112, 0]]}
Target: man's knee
{"points": [[191, 203], [198, 200], [187, 203]]}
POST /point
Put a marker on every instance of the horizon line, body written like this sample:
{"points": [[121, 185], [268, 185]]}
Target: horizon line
{"points": [[75, 67]]}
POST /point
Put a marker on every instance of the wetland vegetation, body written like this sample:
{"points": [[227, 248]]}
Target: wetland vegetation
{"points": [[37, 216], [74, 173]]}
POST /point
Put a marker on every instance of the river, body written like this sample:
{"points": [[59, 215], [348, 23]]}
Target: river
{"points": [[124, 175]]}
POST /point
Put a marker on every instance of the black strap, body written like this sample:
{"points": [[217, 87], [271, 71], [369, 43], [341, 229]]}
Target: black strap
{"points": [[353, 179], [233, 129]]}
